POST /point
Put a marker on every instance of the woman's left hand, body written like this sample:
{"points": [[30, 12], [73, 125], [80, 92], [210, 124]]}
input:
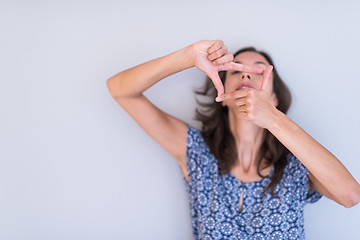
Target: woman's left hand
{"points": [[258, 106]]}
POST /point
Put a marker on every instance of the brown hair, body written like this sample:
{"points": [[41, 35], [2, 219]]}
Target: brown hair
{"points": [[221, 142]]}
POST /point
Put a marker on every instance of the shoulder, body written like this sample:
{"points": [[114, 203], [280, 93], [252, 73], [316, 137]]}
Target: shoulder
{"points": [[193, 135], [294, 164], [199, 157], [195, 140], [295, 169], [297, 178]]}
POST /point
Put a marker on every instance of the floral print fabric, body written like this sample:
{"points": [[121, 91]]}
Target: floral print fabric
{"points": [[214, 199]]}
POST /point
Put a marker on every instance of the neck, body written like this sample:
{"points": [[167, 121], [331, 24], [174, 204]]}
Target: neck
{"points": [[248, 140]]}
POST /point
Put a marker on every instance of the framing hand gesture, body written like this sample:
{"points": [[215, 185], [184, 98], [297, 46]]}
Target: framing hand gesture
{"points": [[256, 105], [213, 56]]}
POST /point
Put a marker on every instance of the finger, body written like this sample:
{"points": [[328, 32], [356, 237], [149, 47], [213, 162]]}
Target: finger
{"points": [[241, 101], [243, 115], [237, 94], [227, 58], [216, 46], [232, 66], [242, 109], [266, 78], [218, 54], [214, 76]]}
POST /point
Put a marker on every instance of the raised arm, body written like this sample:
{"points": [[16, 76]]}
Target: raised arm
{"points": [[127, 89], [327, 174]]}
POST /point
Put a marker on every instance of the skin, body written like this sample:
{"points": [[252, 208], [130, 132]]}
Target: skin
{"points": [[248, 135], [251, 111]]}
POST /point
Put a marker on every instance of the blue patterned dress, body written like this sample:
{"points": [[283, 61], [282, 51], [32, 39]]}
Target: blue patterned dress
{"points": [[214, 200]]}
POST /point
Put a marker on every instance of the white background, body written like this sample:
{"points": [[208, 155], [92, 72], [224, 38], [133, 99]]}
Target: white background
{"points": [[74, 165]]}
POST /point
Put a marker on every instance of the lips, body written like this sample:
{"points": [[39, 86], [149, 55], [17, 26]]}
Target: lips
{"points": [[244, 85]]}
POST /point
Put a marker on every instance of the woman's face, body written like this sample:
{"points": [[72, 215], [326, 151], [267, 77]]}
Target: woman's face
{"points": [[236, 80]]}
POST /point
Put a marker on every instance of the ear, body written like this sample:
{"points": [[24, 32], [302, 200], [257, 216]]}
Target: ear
{"points": [[275, 99]]}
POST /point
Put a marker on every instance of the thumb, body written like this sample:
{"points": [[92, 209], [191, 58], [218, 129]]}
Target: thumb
{"points": [[266, 77], [214, 76]]}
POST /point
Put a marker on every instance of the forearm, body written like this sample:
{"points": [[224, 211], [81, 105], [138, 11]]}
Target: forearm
{"points": [[323, 165], [134, 81]]}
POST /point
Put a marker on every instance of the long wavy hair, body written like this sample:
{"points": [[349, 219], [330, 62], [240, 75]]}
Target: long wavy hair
{"points": [[216, 130]]}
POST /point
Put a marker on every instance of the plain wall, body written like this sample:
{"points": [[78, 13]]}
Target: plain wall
{"points": [[74, 165]]}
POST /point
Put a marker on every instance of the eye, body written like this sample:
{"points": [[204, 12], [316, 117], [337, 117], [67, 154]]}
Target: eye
{"points": [[237, 72]]}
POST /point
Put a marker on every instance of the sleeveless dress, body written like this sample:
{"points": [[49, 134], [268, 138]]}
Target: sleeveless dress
{"points": [[214, 199]]}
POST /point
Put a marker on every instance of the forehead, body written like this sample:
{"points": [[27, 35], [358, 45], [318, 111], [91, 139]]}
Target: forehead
{"points": [[250, 58]]}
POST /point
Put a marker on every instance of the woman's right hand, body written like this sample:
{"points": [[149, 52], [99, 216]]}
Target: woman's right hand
{"points": [[213, 56]]}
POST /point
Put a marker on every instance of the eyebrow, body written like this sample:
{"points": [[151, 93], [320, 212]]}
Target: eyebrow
{"points": [[258, 62]]}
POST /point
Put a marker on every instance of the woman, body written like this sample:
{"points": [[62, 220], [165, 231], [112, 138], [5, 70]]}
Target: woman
{"points": [[251, 170]]}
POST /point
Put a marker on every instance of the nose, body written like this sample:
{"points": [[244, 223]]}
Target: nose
{"points": [[245, 75]]}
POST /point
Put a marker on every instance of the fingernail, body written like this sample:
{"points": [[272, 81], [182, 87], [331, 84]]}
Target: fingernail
{"points": [[219, 99], [269, 68]]}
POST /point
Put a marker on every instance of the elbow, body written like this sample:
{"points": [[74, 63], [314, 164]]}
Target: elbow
{"points": [[108, 82], [353, 198], [119, 90], [111, 84], [121, 87]]}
